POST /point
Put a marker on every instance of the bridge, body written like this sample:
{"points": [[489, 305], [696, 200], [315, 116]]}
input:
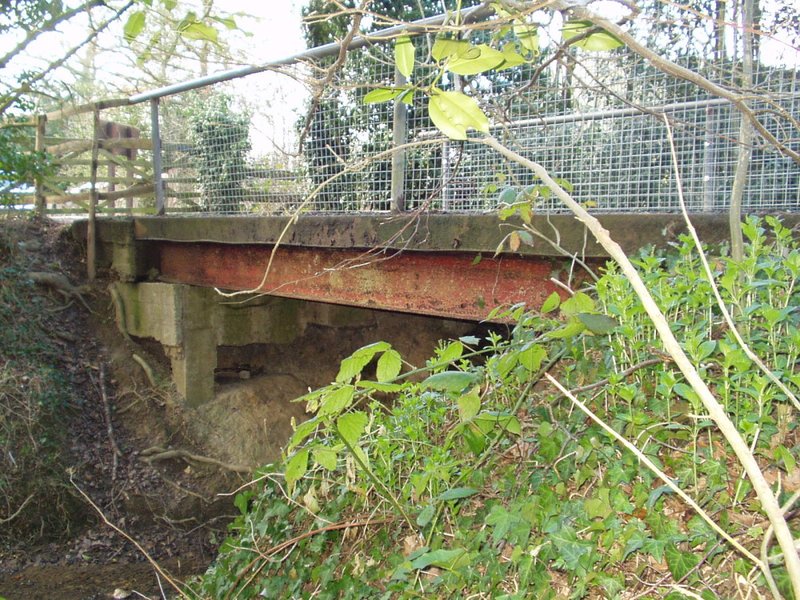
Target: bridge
{"points": [[438, 265], [376, 208]]}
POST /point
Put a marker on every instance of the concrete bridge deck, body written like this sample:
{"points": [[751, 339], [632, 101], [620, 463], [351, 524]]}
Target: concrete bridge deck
{"points": [[432, 264]]}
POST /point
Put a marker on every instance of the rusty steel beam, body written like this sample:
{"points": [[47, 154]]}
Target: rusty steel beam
{"points": [[443, 284]]}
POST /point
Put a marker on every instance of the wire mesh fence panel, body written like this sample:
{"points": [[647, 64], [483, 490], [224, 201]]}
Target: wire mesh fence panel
{"points": [[593, 120]]}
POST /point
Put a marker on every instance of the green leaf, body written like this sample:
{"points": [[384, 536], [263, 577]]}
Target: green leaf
{"points": [[227, 22], [570, 329], [531, 357], [336, 401], [450, 381], [528, 36], [577, 303], [355, 363], [444, 559], [134, 25], [679, 562], [199, 31], [598, 324], [456, 494], [781, 453], [351, 426], [452, 352], [469, 404], [474, 60], [453, 113], [302, 431], [389, 365], [325, 457], [383, 95], [487, 420], [596, 42], [425, 515], [296, 468], [404, 55], [445, 48], [170, 4], [389, 388], [552, 302]]}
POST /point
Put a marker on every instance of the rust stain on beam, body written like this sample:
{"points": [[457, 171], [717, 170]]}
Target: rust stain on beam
{"points": [[432, 283]]}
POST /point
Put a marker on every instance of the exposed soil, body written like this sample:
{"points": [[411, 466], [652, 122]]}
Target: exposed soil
{"points": [[169, 508]]}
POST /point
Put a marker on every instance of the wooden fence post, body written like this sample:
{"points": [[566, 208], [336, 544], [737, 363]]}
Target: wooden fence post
{"points": [[41, 130], [91, 234]]}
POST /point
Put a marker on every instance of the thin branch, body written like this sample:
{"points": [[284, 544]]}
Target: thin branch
{"points": [[769, 502], [49, 26], [642, 457], [715, 289], [671, 68], [139, 547], [14, 95]]}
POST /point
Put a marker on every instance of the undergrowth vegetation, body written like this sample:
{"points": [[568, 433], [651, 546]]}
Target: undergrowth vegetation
{"points": [[35, 500], [472, 477]]}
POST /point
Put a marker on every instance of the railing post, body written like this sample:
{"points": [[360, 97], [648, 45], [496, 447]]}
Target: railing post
{"points": [[155, 132], [399, 137], [41, 130]]}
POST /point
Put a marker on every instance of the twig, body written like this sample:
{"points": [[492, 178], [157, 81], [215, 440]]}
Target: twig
{"points": [[139, 547], [291, 542], [16, 512], [148, 371], [715, 289], [652, 466], [119, 312], [716, 411], [109, 426], [157, 453], [625, 373]]}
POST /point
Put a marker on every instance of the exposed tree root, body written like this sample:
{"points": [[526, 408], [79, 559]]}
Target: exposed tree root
{"points": [[157, 453]]}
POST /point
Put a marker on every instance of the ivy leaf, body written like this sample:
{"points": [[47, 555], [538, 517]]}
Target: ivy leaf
{"points": [[444, 559], [679, 562], [134, 25], [453, 113], [389, 365], [351, 426], [449, 381], [475, 60], [324, 456], [404, 55], [296, 468]]}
